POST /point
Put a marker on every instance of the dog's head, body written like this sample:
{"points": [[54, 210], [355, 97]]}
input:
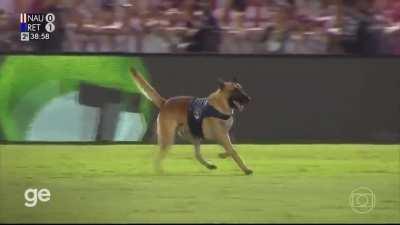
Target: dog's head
{"points": [[237, 98]]}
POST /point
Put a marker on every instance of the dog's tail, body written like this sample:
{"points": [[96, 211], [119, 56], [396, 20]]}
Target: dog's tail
{"points": [[147, 89]]}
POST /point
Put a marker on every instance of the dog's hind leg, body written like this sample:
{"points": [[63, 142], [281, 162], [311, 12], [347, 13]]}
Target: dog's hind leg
{"points": [[200, 158], [165, 137]]}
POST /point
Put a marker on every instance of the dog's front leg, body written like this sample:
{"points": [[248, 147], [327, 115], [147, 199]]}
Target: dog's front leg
{"points": [[226, 143]]}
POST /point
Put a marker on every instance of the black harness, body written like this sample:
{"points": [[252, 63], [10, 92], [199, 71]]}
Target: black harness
{"points": [[198, 110]]}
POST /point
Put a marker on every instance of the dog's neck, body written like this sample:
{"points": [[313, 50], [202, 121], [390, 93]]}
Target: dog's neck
{"points": [[219, 100]]}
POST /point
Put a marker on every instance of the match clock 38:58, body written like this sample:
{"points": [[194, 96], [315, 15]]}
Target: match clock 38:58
{"points": [[39, 36]]}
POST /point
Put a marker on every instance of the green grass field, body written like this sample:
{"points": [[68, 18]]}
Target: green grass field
{"points": [[116, 183]]}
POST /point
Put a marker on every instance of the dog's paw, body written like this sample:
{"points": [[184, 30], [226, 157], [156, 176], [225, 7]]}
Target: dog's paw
{"points": [[248, 172], [212, 167]]}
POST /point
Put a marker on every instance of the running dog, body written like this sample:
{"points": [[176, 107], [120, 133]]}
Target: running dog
{"points": [[208, 118]]}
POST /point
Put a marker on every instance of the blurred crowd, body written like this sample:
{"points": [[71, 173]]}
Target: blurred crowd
{"points": [[358, 27]]}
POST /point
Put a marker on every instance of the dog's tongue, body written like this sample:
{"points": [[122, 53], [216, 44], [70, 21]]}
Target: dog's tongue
{"points": [[238, 106]]}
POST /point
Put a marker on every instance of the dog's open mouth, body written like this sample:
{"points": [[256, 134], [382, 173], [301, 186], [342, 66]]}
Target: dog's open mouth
{"points": [[239, 106]]}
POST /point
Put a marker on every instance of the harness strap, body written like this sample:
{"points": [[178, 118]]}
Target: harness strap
{"points": [[198, 110]]}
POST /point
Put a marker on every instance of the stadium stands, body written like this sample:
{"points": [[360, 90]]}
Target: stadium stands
{"points": [[360, 27]]}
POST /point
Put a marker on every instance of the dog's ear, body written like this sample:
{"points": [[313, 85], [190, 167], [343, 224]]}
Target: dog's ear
{"points": [[235, 80], [221, 83]]}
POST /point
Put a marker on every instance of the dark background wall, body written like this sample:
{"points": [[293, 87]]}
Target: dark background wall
{"points": [[296, 99]]}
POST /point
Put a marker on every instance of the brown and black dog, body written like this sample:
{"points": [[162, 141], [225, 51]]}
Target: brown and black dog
{"points": [[208, 118]]}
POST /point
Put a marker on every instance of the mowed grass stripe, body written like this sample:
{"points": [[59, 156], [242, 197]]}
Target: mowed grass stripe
{"points": [[116, 183]]}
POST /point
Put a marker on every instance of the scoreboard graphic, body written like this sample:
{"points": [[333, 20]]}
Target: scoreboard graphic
{"points": [[37, 26]]}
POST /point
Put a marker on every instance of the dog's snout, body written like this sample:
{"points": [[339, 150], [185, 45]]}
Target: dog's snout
{"points": [[247, 98]]}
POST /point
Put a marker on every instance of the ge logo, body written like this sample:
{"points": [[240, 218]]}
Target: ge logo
{"points": [[32, 195], [50, 17], [50, 27]]}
